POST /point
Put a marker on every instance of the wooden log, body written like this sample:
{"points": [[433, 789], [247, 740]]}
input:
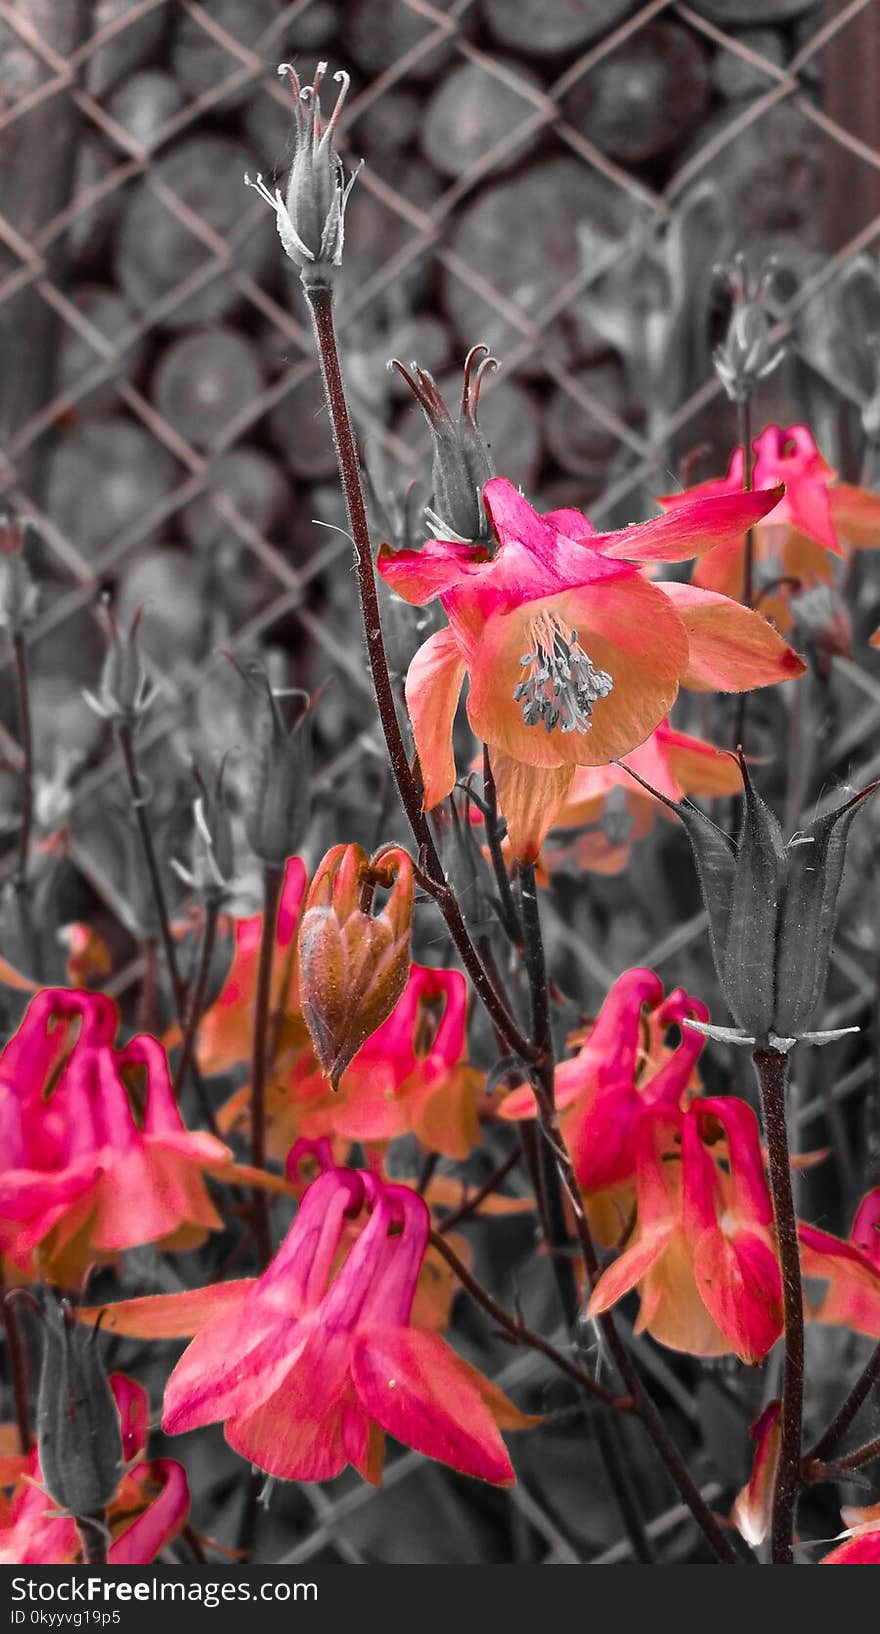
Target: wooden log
{"points": [[740, 13], [301, 431], [102, 478], [135, 44], [470, 112], [388, 125], [144, 104], [254, 484], [202, 382], [377, 33], [168, 585], [201, 63], [540, 29], [579, 443], [734, 78], [554, 202], [771, 178], [643, 100], [106, 310], [155, 251]]}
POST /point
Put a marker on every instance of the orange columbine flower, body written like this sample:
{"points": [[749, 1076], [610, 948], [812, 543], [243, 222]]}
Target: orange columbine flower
{"points": [[703, 1255], [611, 810], [816, 519], [573, 655], [623, 1074]]}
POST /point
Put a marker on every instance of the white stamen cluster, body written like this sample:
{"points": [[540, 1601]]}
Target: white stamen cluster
{"points": [[563, 684]]}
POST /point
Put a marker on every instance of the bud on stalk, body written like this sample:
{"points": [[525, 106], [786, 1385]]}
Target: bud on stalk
{"points": [[353, 967], [78, 1431]]}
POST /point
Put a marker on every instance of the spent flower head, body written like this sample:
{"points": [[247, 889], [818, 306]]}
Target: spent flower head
{"points": [[748, 353], [461, 462], [18, 593], [311, 216]]}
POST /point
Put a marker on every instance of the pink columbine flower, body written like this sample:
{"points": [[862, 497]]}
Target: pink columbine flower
{"points": [[311, 1364], [411, 1074], [816, 515], [849, 1272], [573, 655], [623, 1074], [703, 1254], [84, 1176], [862, 1547], [150, 1507]]}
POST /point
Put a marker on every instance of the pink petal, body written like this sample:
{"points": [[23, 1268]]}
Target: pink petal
{"points": [[419, 576], [424, 1395], [732, 649], [739, 1282], [433, 687], [163, 1519], [692, 527]]}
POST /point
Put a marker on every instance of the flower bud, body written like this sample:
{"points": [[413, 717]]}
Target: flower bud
{"points": [[461, 463], [126, 690], [747, 353], [18, 593], [353, 967], [772, 909], [311, 219], [78, 1432], [279, 798]]}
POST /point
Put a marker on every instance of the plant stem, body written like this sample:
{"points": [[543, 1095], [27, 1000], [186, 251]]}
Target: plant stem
{"points": [[472, 1204], [320, 299], [20, 880], [18, 1371], [197, 1004], [861, 1455], [509, 915], [744, 411], [272, 882], [771, 1068], [523, 1335], [848, 1409], [125, 738], [94, 1538]]}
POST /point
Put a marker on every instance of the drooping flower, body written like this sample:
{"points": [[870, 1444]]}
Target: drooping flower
{"points": [[847, 1274], [862, 1546], [795, 542], [410, 1075], [149, 1509], [573, 655], [309, 1366], [753, 1507], [623, 1074], [608, 810], [702, 1255], [85, 1175]]}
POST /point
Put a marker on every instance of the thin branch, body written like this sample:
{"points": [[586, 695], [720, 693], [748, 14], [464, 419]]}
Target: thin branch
{"points": [[197, 1003], [848, 1409], [272, 881]]}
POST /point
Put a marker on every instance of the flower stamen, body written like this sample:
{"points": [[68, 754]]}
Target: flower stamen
{"points": [[562, 684]]}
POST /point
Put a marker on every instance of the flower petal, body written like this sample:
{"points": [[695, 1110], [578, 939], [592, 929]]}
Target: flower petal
{"points": [[690, 528], [530, 798], [415, 1386], [168, 1316], [732, 649], [433, 686], [420, 576]]}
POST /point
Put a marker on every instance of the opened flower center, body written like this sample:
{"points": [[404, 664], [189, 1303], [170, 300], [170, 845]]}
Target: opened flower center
{"points": [[562, 683]]}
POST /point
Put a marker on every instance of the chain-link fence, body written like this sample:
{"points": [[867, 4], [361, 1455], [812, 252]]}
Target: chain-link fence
{"points": [[554, 177]]}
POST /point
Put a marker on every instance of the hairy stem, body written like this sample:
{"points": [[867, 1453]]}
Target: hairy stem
{"points": [[94, 1538], [320, 300], [197, 1004], [272, 881], [771, 1068]]}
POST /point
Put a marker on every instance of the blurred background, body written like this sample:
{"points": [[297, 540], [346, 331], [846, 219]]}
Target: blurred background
{"points": [[555, 178]]}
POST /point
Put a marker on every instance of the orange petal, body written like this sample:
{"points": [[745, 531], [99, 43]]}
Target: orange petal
{"points": [[168, 1316], [731, 648], [530, 798], [433, 686], [856, 514]]}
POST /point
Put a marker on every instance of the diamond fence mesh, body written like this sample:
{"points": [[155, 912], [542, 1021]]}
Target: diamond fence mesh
{"points": [[529, 169]]}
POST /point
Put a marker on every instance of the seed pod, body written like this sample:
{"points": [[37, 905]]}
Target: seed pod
{"points": [[461, 463], [809, 913], [279, 797], [203, 382], [78, 1432], [19, 596], [353, 967], [749, 971]]}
